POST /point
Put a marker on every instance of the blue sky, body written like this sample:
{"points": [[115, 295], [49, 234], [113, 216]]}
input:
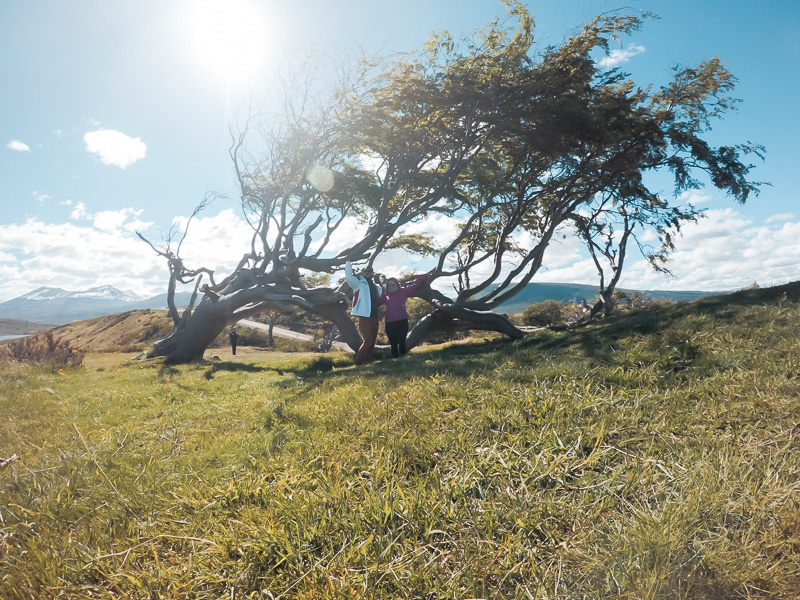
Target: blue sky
{"points": [[114, 117]]}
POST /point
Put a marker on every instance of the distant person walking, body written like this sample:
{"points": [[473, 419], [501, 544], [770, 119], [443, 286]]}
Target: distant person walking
{"points": [[233, 336], [365, 307], [394, 297]]}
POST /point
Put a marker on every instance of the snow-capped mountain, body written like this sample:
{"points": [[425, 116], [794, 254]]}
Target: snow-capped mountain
{"points": [[43, 293], [105, 292], [54, 305]]}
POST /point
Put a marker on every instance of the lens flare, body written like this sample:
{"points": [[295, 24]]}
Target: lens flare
{"points": [[321, 178]]}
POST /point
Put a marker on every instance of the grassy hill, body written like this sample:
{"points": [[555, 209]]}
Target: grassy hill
{"points": [[653, 455], [129, 333], [576, 292], [16, 327]]}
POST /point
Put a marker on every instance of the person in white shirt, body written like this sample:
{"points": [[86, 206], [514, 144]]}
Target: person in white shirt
{"points": [[365, 307]]}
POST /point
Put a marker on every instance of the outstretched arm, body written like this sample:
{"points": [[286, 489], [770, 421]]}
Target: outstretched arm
{"points": [[351, 279], [415, 285]]}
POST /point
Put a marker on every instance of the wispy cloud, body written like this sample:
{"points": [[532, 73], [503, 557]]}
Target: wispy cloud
{"points": [[780, 218], [125, 220], [620, 56], [18, 146], [80, 213], [114, 147]]}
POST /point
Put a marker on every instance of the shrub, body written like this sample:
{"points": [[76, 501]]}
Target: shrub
{"points": [[638, 301], [543, 314], [417, 309], [42, 348], [155, 331]]}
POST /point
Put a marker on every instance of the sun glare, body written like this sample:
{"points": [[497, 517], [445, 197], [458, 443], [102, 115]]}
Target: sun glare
{"points": [[231, 37]]}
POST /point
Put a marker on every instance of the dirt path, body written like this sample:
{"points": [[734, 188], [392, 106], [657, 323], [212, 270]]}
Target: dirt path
{"points": [[287, 333]]}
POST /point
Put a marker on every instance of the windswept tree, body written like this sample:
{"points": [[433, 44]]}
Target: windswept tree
{"points": [[573, 144], [510, 148], [683, 111]]}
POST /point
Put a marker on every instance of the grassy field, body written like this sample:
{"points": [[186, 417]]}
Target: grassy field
{"points": [[655, 455]]}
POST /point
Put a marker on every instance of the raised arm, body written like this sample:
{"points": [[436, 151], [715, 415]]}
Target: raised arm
{"points": [[416, 284], [351, 279]]}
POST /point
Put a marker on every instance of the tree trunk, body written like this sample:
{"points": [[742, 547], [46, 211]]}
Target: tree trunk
{"points": [[196, 331], [454, 318], [338, 315], [605, 303], [190, 340]]}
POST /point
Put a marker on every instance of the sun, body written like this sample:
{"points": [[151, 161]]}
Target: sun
{"points": [[231, 37]]}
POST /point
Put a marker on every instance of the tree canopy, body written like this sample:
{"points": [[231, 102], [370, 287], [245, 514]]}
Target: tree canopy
{"points": [[510, 142]]}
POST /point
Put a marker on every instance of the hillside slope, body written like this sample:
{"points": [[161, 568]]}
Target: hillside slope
{"points": [[650, 455], [130, 331], [575, 293], [17, 327]]}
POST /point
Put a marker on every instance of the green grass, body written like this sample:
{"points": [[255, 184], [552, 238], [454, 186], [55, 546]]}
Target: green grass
{"points": [[655, 455]]}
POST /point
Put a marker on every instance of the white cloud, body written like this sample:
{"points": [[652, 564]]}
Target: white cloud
{"points": [[564, 249], [110, 221], [217, 242], [18, 146], [779, 217], [724, 251], [620, 56], [373, 163], [114, 147], [442, 228], [349, 230], [581, 271], [118, 220], [79, 212], [695, 198], [35, 254]]}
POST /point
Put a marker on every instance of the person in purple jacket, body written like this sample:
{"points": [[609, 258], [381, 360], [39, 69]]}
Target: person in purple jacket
{"points": [[394, 296]]}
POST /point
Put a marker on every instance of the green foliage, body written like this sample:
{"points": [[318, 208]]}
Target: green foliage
{"points": [[636, 300], [544, 314], [417, 309], [648, 456], [422, 245], [316, 280]]}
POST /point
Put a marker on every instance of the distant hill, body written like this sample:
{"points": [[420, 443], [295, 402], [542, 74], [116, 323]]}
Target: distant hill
{"points": [[130, 331], [575, 292], [54, 305], [15, 327]]}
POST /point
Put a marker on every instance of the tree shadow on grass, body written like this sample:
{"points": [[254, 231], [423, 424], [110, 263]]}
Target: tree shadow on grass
{"points": [[596, 341], [234, 367]]}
